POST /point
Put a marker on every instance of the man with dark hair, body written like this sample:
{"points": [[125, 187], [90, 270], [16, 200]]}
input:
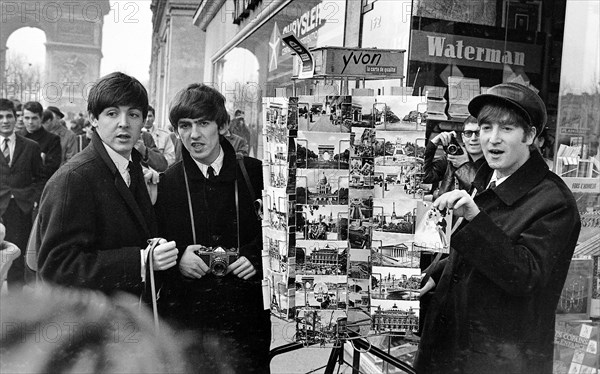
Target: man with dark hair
{"points": [[454, 170], [497, 292], [19, 126], [34, 118], [68, 141], [21, 185], [162, 139], [206, 201], [96, 216]]}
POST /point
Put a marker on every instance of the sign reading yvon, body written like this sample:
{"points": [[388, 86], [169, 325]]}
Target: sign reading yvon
{"points": [[477, 52]]}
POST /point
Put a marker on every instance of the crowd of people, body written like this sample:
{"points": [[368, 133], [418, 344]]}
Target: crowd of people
{"points": [[86, 202]]}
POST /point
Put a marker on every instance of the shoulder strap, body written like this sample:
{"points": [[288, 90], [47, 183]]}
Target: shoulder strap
{"points": [[240, 160]]}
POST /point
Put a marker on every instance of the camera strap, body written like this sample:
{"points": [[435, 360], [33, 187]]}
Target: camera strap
{"points": [[191, 209]]}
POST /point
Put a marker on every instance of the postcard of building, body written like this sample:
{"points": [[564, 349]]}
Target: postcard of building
{"points": [[395, 316], [398, 147], [325, 259], [322, 150], [322, 186]]}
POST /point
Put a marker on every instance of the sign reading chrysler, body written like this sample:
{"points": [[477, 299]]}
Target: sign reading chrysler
{"points": [[468, 51]]}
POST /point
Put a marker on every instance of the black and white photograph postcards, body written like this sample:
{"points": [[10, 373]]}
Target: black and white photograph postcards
{"points": [[361, 172], [359, 305], [395, 317], [322, 186], [321, 222], [320, 326], [388, 112], [432, 228], [278, 269], [275, 115], [393, 230], [325, 114], [275, 209], [393, 283], [360, 218], [292, 120], [362, 142], [322, 150]]}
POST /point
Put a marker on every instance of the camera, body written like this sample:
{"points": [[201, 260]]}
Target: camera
{"points": [[453, 148], [218, 259]]}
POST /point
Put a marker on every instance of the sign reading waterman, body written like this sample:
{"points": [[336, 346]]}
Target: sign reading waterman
{"points": [[477, 52]]}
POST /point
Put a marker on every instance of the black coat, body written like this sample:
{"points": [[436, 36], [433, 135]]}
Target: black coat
{"points": [[226, 307], [50, 146], [91, 226], [495, 301]]}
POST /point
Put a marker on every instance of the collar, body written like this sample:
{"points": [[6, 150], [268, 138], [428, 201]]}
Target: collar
{"points": [[517, 184], [120, 162], [496, 179], [228, 171], [12, 137], [216, 165]]}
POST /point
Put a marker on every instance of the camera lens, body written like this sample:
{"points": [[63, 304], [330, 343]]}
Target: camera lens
{"points": [[219, 266], [452, 149]]}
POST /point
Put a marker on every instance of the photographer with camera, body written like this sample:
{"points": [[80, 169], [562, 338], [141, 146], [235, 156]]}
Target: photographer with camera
{"points": [[206, 203], [457, 168]]}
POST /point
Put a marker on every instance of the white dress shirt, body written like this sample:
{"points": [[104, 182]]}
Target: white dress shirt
{"points": [[216, 165]]}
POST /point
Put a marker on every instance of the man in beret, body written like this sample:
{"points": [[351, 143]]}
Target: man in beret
{"points": [[68, 140], [496, 294]]}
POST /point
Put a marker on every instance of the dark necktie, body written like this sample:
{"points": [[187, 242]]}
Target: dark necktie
{"points": [[210, 172], [492, 185], [6, 150], [132, 177]]}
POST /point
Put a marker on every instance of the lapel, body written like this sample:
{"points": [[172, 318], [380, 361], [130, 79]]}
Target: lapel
{"points": [[19, 146], [120, 185]]}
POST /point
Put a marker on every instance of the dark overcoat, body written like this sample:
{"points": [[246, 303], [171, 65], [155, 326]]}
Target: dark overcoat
{"points": [[92, 226], [497, 292], [227, 311]]}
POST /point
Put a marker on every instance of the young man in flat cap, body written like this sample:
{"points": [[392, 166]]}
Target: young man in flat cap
{"points": [[496, 294]]}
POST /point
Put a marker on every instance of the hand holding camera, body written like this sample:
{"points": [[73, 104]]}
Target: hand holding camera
{"points": [[449, 142], [191, 265]]}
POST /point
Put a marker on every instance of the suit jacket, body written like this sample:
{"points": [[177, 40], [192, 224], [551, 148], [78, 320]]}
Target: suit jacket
{"points": [[23, 178], [228, 305], [92, 226], [50, 146], [495, 302]]}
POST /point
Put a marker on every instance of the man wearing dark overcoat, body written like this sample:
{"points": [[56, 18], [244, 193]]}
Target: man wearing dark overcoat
{"points": [[21, 183], [205, 202], [95, 215], [496, 294]]}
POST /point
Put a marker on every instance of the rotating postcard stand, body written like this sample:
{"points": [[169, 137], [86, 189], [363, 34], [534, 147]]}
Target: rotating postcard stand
{"points": [[345, 221]]}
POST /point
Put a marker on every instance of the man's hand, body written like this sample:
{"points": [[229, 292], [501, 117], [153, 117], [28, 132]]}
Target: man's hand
{"points": [[164, 255], [458, 160], [460, 201], [427, 287], [443, 138], [243, 268], [140, 146], [191, 265]]}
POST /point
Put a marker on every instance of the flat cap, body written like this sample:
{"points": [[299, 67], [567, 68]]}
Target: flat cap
{"points": [[516, 96], [56, 111]]}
